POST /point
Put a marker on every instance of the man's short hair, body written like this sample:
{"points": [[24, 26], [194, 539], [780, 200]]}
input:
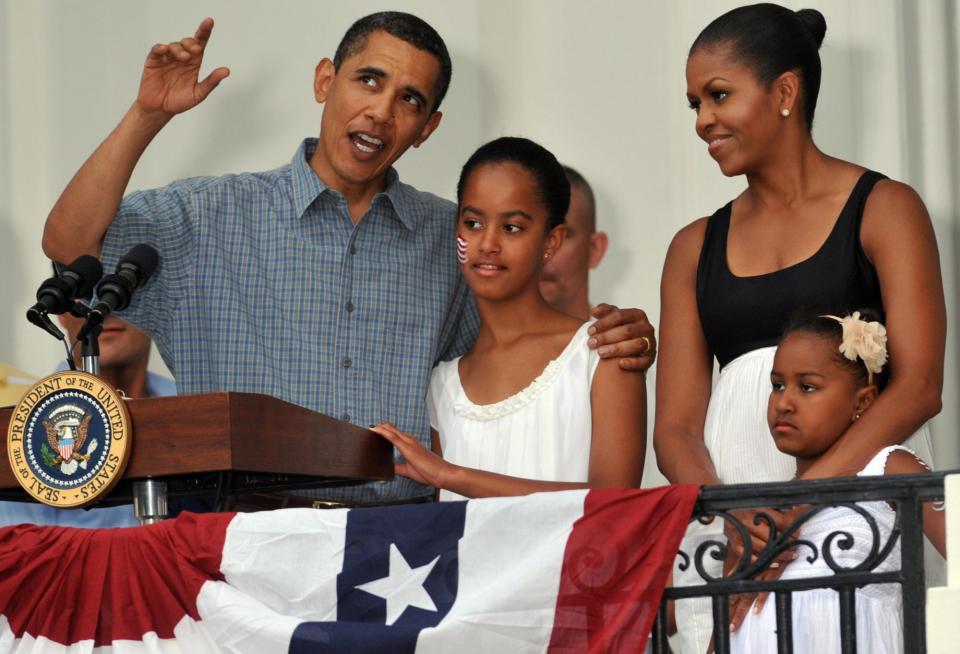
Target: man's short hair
{"points": [[578, 180], [405, 27]]}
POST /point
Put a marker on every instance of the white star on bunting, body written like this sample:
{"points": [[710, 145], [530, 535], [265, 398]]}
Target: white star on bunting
{"points": [[402, 587]]}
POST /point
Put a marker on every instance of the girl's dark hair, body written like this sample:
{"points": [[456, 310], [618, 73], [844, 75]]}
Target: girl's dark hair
{"points": [[553, 188], [772, 40], [828, 328]]}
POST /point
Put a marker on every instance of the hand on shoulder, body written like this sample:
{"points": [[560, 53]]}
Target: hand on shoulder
{"points": [[624, 335]]}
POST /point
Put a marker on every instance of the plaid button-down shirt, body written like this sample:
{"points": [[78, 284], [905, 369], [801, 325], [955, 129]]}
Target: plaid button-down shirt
{"points": [[265, 285]]}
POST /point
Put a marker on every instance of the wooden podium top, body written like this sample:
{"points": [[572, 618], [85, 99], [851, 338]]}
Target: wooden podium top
{"points": [[240, 432]]}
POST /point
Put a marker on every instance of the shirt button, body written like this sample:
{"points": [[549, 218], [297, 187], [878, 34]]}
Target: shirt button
{"points": [[353, 249], [346, 362], [349, 306], [345, 417]]}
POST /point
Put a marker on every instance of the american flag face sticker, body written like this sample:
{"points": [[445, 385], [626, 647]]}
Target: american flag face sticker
{"points": [[461, 249]]}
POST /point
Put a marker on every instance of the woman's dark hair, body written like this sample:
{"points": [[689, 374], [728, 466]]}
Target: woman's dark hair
{"points": [[553, 188], [819, 325], [772, 40]]}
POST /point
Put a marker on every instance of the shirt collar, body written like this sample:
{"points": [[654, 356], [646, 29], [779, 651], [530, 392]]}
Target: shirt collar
{"points": [[306, 187]]}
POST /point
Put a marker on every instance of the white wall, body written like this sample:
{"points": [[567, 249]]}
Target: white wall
{"points": [[601, 84]]}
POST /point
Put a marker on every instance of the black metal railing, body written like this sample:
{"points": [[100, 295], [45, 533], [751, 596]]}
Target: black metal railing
{"points": [[906, 494]]}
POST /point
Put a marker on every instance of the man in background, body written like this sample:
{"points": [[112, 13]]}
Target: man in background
{"points": [[564, 282], [124, 358]]}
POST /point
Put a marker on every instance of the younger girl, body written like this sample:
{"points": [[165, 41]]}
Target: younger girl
{"points": [[529, 408], [827, 372]]}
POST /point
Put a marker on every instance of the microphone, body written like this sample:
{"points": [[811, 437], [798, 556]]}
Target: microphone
{"points": [[57, 294], [115, 291]]}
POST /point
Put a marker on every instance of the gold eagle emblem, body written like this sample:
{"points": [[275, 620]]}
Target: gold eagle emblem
{"points": [[78, 433]]}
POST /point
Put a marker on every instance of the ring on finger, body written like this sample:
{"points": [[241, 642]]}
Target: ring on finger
{"points": [[647, 345]]}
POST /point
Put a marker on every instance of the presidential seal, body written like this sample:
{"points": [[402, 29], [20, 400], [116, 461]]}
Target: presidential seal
{"points": [[69, 439]]}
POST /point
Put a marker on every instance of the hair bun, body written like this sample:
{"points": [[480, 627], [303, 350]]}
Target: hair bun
{"points": [[815, 23]]}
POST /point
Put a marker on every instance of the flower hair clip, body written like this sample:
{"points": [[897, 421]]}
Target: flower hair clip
{"points": [[864, 339]]}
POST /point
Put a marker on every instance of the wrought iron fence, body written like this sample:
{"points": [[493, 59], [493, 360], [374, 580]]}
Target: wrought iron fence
{"points": [[906, 494]]}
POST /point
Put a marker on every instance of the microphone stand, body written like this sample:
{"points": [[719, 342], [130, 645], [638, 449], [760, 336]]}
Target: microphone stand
{"points": [[90, 351], [149, 495], [90, 338]]}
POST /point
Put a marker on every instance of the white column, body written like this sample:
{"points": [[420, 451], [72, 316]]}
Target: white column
{"points": [[943, 603]]}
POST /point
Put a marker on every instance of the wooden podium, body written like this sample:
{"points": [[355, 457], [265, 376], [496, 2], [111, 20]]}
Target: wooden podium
{"points": [[227, 443]]}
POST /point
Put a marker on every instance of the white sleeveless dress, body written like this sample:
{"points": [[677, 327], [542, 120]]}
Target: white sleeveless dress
{"points": [[816, 613], [738, 438], [542, 432]]}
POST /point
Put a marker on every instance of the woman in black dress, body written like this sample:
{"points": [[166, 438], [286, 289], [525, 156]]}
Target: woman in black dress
{"points": [[809, 232]]}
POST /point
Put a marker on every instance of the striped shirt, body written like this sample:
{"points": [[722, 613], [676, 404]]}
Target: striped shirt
{"points": [[266, 285]]}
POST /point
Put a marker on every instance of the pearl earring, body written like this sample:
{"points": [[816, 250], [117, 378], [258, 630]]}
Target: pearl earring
{"points": [[856, 416], [784, 112]]}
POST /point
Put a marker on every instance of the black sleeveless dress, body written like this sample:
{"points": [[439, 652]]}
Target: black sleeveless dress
{"points": [[742, 319], [740, 314]]}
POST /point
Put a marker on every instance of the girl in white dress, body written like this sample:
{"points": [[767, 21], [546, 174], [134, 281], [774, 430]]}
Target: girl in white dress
{"points": [[530, 407], [827, 372]]}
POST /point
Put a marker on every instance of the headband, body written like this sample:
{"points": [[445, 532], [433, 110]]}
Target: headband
{"points": [[864, 339]]}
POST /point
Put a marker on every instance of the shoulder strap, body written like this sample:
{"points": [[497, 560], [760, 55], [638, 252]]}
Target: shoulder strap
{"points": [[713, 252], [844, 241], [878, 464], [858, 196], [718, 225]]}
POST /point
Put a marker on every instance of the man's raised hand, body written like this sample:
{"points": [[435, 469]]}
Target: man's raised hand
{"points": [[171, 75]]}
